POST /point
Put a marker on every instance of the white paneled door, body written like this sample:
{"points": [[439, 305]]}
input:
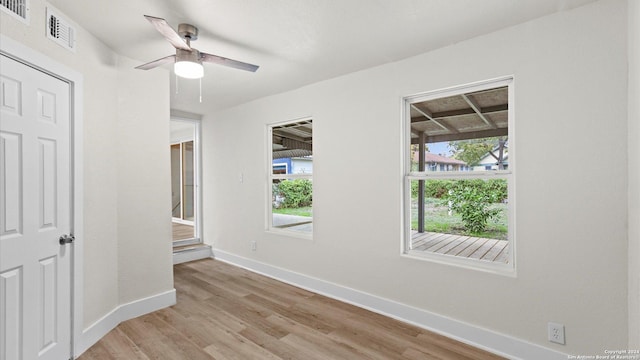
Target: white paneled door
{"points": [[35, 214]]}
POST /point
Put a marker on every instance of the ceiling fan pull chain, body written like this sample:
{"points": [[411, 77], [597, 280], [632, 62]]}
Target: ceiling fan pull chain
{"points": [[200, 90]]}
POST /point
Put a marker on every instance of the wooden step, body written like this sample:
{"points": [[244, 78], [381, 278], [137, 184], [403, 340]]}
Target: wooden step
{"points": [[190, 253]]}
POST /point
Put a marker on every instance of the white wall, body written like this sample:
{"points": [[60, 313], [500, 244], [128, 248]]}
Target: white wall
{"points": [[145, 261], [127, 252], [571, 112]]}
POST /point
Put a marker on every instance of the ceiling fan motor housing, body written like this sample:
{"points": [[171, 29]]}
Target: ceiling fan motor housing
{"points": [[188, 31]]}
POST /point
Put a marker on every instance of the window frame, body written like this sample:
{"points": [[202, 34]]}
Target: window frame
{"points": [[269, 228], [197, 180], [408, 175]]}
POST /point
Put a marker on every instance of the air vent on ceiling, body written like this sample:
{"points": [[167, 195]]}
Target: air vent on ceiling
{"points": [[16, 8], [60, 30]]}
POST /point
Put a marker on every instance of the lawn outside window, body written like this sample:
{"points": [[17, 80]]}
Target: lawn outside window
{"points": [[459, 167], [290, 185]]}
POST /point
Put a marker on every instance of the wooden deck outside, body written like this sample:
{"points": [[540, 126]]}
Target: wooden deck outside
{"points": [[463, 246]]}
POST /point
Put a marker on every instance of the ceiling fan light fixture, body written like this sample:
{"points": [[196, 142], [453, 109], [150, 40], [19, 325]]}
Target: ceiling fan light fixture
{"points": [[189, 69], [188, 64]]}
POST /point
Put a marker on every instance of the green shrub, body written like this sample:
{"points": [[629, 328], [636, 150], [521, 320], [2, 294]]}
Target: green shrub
{"points": [[439, 189], [295, 193], [497, 189], [472, 200], [432, 188]]}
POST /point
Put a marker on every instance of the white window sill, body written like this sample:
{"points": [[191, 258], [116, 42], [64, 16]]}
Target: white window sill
{"points": [[462, 262]]}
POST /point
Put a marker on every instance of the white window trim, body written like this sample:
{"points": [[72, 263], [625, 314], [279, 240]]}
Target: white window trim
{"points": [[197, 180], [271, 176], [508, 269]]}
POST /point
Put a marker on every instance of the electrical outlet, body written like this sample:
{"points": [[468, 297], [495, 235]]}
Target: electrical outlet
{"points": [[556, 333], [254, 245]]}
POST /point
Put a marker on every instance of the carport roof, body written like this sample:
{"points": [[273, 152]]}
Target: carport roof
{"points": [[292, 140], [460, 117]]}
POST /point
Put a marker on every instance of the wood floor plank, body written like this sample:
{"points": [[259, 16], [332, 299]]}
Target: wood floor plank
{"points": [[274, 345], [116, 345], [303, 318], [304, 338], [446, 346], [155, 344], [432, 240], [446, 247], [225, 312], [495, 250], [366, 344], [226, 344], [482, 251], [492, 250], [181, 231], [467, 251]]}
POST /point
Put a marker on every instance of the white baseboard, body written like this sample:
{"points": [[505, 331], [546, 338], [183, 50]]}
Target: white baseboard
{"points": [[124, 312], [501, 344], [191, 254]]}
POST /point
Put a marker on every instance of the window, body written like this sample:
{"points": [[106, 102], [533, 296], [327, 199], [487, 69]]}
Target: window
{"points": [[459, 197], [290, 185]]}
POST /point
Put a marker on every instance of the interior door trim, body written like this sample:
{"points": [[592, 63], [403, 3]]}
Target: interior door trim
{"points": [[41, 62]]}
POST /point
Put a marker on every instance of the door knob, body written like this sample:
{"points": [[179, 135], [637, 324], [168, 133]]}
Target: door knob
{"points": [[66, 239]]}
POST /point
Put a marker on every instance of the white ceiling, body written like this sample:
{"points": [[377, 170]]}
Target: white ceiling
{"points": [[295, 42]]}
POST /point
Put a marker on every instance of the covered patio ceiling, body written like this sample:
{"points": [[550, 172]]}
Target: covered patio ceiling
{"points": [[466, 116], [471, 115], [293, 140]]}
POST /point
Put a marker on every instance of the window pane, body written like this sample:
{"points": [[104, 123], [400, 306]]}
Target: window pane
{"points": [[461, 217], [292, 201], [187, 180], [176, 174], [464, 132], [292, 146], [291, 176]]}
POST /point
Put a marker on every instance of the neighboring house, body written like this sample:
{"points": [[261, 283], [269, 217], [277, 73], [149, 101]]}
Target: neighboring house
{"points": [[490, 160], [435, 162], [294, 165]]}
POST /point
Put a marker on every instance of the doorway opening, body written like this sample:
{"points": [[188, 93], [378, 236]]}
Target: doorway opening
{"points": [[185, 180]]}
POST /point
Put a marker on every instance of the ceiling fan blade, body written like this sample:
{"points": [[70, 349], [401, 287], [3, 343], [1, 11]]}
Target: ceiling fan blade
{"points": [[156, 63], [228, 62], [167, 31]]}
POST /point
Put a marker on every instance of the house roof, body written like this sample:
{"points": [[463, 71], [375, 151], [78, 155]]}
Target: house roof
{"points": [[435, 158], [489, 159]]}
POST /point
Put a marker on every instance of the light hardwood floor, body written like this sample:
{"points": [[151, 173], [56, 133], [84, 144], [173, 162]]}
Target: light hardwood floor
{"points": [[225, 312], [181, 231]]}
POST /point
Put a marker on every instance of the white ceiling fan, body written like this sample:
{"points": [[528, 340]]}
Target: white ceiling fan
{"points": [[188, 60]]}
